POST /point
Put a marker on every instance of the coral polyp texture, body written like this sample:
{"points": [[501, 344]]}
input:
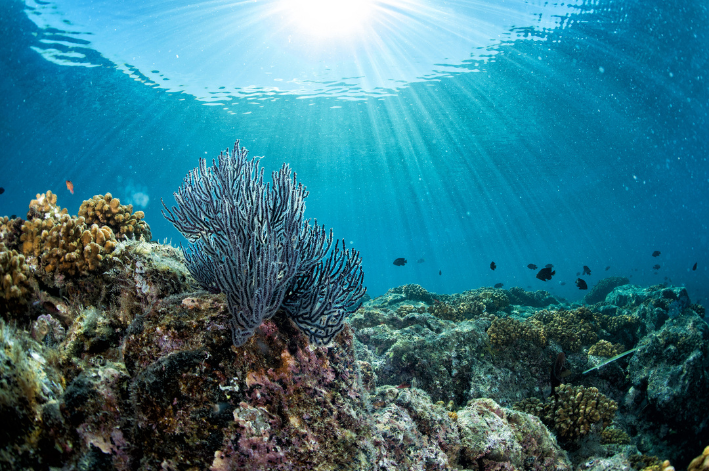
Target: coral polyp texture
{"points": [[14, 275], [248, 239], [573, 410], [107, 210]]}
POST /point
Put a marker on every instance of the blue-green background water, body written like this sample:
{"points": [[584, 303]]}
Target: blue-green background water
{"points": [[580, 138]]}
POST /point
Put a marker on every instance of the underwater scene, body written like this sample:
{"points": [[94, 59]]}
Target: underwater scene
{"points": [[354, 235]]}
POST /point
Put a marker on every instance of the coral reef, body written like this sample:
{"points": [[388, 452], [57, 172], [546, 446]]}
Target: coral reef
{"points": [[599, 292], [133, 367], [105, 210]]}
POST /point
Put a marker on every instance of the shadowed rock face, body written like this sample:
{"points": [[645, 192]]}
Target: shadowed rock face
{"points": [[599, 292]]}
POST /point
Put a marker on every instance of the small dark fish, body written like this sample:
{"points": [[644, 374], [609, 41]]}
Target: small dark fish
{"points": [[694, 267], [581, 284], [400, 262], [586, 270], [439, 272], [546, 274], [532, 266], [656, 253], [562, 283], [608, 268], [492, 265], [420, 260], [499, 285], [578, 273], [548, 265], [656, 267], [2, 190], [14, 216]]}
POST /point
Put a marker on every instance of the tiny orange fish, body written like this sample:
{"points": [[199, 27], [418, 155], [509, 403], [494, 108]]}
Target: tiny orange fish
{"points": [[70, 186], [403, 386]]}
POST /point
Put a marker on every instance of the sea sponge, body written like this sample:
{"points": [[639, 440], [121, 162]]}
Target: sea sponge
{"points": [[107, 210], [604, 348]]}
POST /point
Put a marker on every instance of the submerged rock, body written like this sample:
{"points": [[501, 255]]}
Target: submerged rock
{"points": [[599, 292]]}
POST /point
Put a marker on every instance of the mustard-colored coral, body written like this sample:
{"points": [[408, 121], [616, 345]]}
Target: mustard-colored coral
{"points": [[571, 329], [604, 348], [613, 435], [701, 462], [578, 408], [573, 412], [73, 248], [45, 206], [14, 274], [505, 331], [62, 243], [107, 210]]}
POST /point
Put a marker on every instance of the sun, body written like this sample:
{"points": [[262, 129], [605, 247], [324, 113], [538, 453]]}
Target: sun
{"points": [[329, 18]]}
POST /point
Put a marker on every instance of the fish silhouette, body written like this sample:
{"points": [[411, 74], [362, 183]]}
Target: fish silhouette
{"points": [[546, 274], [656, 253], [492, 265], [400, 262], [581, 284], [499, 285], [532, 266], [586, 270]]}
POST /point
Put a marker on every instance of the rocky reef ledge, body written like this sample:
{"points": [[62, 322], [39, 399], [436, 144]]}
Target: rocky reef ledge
{"points": [[117, 361]]}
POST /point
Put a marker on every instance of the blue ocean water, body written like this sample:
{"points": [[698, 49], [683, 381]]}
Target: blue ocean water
{"points": [[458, 134]]}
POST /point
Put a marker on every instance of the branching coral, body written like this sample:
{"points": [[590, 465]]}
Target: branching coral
{"points": [[573, 412], [107, 210], [701, 462], [14, 275], [505, 331], [604, 348], [62, 243], [69, 246], [571, 329]]}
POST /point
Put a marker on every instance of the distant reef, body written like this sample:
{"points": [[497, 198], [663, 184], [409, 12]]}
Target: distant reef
{"points": [[114, 357]]}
